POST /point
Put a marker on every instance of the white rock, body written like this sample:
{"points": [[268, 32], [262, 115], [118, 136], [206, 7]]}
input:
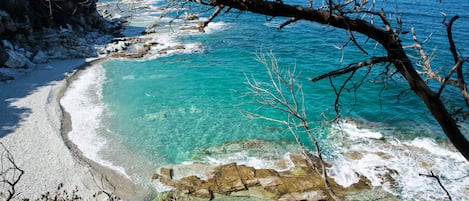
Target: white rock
{"points": [[40, 58]]}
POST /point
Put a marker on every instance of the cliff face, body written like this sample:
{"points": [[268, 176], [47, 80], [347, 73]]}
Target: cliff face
{"points": [[33, 31], [26, 16]]}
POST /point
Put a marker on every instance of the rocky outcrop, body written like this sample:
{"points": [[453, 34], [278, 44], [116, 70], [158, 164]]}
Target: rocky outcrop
{"points": [[35, 31], [300, 182]]}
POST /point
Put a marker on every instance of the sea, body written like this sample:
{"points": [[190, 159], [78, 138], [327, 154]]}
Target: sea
{"points": [[191, 105]]}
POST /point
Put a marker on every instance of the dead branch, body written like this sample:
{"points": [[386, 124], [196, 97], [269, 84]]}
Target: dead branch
{"points": [[291, 20], [457, 67], [431, 175], [215, 14], [10, 173], [351, 68], [284, 93]]}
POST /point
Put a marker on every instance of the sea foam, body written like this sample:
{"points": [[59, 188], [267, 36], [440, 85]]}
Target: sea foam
{"points": [[397, 166], [82, 101]]}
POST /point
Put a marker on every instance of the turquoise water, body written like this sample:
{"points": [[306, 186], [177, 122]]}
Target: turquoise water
{"points": [[167, 110]]}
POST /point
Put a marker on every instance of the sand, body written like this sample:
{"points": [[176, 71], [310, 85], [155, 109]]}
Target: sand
{"points": [[34, 130]]}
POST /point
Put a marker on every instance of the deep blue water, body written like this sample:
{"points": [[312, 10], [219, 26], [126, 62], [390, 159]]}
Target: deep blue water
{"points": [[169, 108]]}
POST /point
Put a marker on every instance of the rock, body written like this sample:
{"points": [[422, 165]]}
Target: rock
{"points": [[310, 195], [8, 44], [3, 14], [10, 24], [266, 173], [354, 155], [248, 175], [167, 172], [3, 56], [190, 183], [40, 58], [190, 17], [257, 192], [2, 28], [4, 78], [228, 179], [204, 193], [231, 180], [155, 176], [17, 60]]}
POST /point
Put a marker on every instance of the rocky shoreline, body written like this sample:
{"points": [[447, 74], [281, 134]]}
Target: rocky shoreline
{"points": [[234, 181], [36, 34]]}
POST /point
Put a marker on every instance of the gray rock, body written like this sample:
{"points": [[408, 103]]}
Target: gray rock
{"points": [[4, 78], [2, 27], [17, 60], [10, 25], [3, 56], [3, 14], [40, 58], [8, 44]]}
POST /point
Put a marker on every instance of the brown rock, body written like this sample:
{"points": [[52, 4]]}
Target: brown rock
{"points": [[228, 179], [298, 171], [257, 192], [354, 155], [265, 173], [190, 183], [155, 176], [247, 175], [167, 172], [310, 196], [204, 193], [285, 185]]}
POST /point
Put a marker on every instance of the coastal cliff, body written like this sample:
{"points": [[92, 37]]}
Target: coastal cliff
{"points": [[35, 31]]}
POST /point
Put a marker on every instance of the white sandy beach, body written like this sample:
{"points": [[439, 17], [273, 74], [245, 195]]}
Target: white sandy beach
{"points": [[30, 127]]}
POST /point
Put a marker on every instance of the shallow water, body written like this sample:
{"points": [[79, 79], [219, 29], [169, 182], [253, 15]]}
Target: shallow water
{"points": [[184, 107]]}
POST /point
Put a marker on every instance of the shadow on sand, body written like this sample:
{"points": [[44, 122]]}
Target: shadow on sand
{"points": [[11, 116]]}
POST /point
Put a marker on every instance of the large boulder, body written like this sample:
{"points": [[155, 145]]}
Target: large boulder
{"points": [[228, 179], [40, 58], [17, 60]]}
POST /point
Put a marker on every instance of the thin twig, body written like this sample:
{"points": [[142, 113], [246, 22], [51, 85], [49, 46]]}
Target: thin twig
{"points": [[431, 175]]}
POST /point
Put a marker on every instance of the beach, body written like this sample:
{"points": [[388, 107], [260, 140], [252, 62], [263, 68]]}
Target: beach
{"points": [[33, 129]]}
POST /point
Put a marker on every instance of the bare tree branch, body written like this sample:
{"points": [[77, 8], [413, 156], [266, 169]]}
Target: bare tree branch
{"points": [[284, 93], [291, 20], [351, 68], [10, 173], [431, 175]]}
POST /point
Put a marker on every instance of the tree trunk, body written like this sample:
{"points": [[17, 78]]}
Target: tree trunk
{"points": [[387, 39]]}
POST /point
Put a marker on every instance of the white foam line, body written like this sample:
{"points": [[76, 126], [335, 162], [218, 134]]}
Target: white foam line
{"points": [[395, 166], [82, 101]]}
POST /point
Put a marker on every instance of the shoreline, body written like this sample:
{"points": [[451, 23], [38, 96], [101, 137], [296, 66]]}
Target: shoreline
{"points": [[121, 185], [34, 128]]}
